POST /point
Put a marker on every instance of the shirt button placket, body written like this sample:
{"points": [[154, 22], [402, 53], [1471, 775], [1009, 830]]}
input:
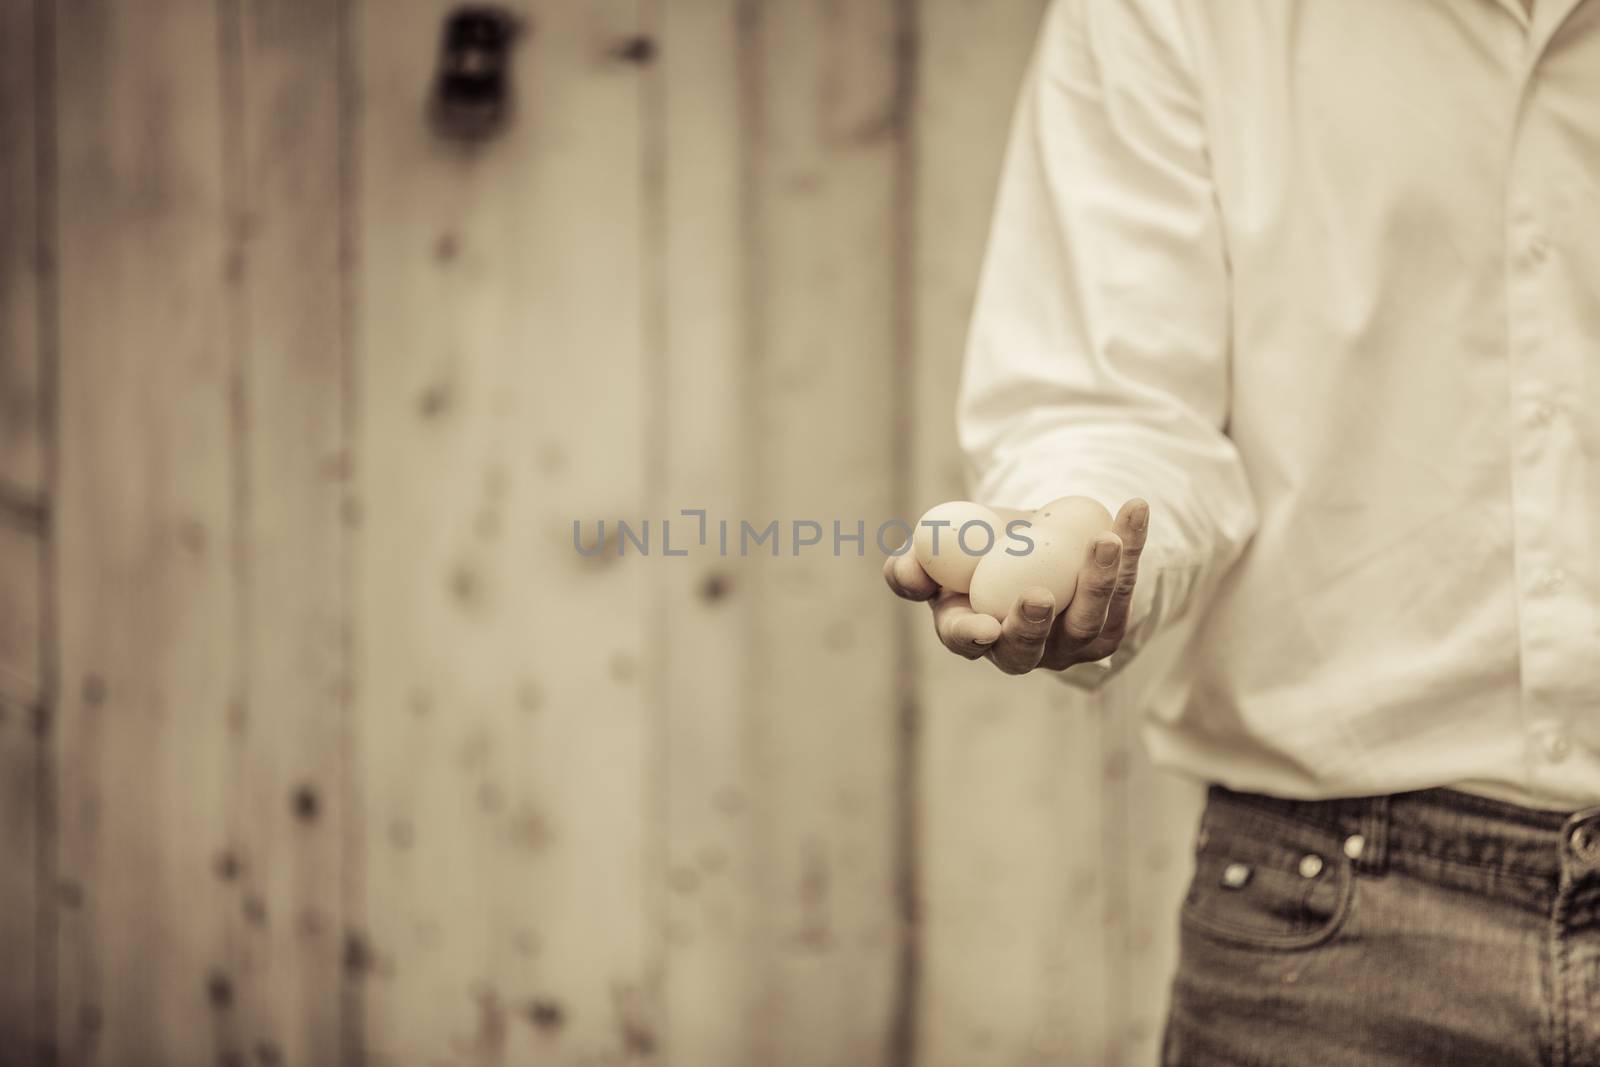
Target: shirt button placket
{"points": [[1534, 477]]}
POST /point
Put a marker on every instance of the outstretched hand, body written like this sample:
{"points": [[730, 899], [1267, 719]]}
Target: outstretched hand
{"points": [[1091, 627]]}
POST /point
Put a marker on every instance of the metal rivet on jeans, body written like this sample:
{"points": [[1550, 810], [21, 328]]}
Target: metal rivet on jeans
{"points": [[1354, 845], [1235, 875], [1310, 865]]}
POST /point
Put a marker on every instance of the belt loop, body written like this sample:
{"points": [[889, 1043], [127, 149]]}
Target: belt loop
{"points": [[1374, 856]]}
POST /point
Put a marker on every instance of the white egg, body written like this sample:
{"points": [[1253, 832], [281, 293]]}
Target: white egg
{"points": [[951, 539], [1048, 554]]}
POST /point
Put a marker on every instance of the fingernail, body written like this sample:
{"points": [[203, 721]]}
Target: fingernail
{"points": [[1036, 610], [1140, 516], [1105, 553], [985, 638]]}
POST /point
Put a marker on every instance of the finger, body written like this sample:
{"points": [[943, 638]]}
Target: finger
{"points": [[1133, 524], [907, 578], [964, 631], [1085, 616], [1023, 634]]}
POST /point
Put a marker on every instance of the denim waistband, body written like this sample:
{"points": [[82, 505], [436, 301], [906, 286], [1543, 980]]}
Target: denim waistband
{"points": [[1444, 825]]}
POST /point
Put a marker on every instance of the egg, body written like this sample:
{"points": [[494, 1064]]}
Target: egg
{"points": [[952, 538], [1060, 533]]}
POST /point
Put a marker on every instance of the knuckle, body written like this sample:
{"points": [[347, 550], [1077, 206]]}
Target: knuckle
{"points": [[1078, 639], [1081, 630], [1102, 585], [1109, 639], [1033, 633]]}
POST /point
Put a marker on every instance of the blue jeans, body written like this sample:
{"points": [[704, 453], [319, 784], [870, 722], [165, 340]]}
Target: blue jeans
{"points": [[1422, 928]]}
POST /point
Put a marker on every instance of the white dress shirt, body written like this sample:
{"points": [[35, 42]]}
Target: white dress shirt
{"points": [[1320, 279]]}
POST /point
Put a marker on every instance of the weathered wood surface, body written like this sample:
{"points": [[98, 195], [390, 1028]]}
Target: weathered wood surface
{"points": [[700, 148], [504, 722], [285, 94], [824, 114], [24, 808], [149, 589], [199, 535], [355, 759]]}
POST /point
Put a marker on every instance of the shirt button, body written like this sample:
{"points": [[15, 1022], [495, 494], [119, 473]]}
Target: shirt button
{"points": [[1354, 845], [1310, 865], [1558, 747], [1235, 875], [1538, 249], [1543, 413]]}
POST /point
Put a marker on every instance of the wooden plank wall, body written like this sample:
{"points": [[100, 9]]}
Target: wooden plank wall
{"points": [[200, 539], [25, 817], [144, 535], [320, 744], [504, 717]]}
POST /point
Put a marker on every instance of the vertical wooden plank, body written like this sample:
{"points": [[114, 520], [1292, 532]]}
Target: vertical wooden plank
{"points": [[822, 119], [147, 605], [21, 447], [783, 256], [23, 767], [712, 908], [201, 496], [1014, 888], [23, 516], [280, 871], [503, 730]]}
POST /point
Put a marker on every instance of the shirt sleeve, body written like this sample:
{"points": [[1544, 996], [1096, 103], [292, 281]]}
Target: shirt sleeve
{"points": [[1098, 358]]}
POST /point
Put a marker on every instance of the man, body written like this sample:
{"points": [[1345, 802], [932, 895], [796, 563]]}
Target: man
{"points": [[1319, 280]]}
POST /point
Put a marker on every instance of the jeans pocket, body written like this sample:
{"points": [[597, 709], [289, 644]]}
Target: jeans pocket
{"points": [[1267, 883]]}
